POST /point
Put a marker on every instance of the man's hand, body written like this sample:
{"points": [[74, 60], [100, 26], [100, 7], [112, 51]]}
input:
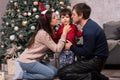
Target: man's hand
{"points": [[68, 45]]}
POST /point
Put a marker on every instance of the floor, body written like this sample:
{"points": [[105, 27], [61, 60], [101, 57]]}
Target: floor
{"points": [[111, 73]]}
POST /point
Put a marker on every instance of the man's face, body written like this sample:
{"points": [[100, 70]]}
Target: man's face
{"points": [[75, 17]]}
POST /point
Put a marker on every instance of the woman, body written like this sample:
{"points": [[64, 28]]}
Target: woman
{"points": [[31, 59]]}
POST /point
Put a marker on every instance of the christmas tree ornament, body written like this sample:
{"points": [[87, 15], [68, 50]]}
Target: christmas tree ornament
{"points": [[12, 25], [21, 36], [20, 16], [2, 46], [57, 12], [18, 10], [29, 13], [16, 28], [24, 14], [62, 7], [18, 48], [9, 11], [15, 4], [68, 7], [11, 1], [36, 16], [35, 3], [25, 2], [2, 33], [12, 37], [32, 27], [34, 9], [47, 7], [7, 23], [24, 23], [53, 9], [61, 2]]}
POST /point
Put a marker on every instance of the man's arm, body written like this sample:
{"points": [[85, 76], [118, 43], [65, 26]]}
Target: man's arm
{"points": [[87, 48]]}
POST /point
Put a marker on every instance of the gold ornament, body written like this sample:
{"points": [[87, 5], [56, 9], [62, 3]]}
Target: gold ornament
{"points": [[2, 46], [21, 36], [68, 7], [61, 2], [35, 3], [9, 11], [24, 23], [15, 4]]}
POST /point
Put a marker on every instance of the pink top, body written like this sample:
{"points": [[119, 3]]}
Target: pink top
{"points": [[43, 42]]}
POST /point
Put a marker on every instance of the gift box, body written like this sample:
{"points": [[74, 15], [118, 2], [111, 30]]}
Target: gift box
{"points": [[2, 75], [11, 66]]}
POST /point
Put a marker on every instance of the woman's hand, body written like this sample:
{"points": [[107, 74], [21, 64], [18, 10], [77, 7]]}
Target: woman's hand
{"points": [[66, 29]]}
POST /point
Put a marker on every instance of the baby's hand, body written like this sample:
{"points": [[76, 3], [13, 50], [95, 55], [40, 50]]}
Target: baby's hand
{"points": [[66, 29]]}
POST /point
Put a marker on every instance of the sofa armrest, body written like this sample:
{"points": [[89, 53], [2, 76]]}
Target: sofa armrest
{"points": [[112, 43]]}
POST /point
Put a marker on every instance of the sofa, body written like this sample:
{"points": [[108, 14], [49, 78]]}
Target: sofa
{"points": [[112, 32]]}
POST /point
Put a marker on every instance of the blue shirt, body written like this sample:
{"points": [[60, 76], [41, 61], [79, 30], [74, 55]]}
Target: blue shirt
{"points": [[94, 41]]}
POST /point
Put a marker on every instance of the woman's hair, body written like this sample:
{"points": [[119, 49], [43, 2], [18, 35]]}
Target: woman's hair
{"points": [[42, 23], [82, 8]]}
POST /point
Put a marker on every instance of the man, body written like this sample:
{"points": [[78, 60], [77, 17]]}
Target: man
{"points": [[93, 53]]}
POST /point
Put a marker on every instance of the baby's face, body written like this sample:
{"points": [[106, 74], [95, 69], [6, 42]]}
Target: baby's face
{"points": [[65, 19]]}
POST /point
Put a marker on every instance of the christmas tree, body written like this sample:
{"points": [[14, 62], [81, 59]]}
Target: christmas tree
{"points": [[19, 21]]}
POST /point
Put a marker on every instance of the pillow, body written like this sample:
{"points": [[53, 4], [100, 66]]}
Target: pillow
{"points": [[111, 30]]}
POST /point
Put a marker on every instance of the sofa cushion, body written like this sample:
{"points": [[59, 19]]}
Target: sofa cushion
{"points": [[112, 44], [111, 30]]}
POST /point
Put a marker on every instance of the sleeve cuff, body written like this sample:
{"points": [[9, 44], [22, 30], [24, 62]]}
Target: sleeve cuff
{"points": [[71, 47], [63, 38]]}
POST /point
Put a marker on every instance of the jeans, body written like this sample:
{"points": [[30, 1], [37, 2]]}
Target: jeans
{"points": [[37, 70]]}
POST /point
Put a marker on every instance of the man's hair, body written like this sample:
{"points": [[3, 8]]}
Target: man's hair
{"points": [[82, 8], [65, 12]]}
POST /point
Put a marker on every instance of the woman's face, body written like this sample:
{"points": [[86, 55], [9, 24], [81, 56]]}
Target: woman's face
{"points": [[54, 20]]}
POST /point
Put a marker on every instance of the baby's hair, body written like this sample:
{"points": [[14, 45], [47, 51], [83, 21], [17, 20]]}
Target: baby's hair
{"points": [[65, 12]]}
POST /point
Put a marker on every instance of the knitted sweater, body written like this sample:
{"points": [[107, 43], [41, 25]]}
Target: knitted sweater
{"points": [[42, 43]]}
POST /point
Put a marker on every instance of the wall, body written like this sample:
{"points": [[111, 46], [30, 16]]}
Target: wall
{"points": [[2, 8], [102, 10]]}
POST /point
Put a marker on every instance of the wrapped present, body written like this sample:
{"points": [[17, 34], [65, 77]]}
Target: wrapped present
{"points": [[2, 75], [11, 66], [11, 58], [4, 67]]}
